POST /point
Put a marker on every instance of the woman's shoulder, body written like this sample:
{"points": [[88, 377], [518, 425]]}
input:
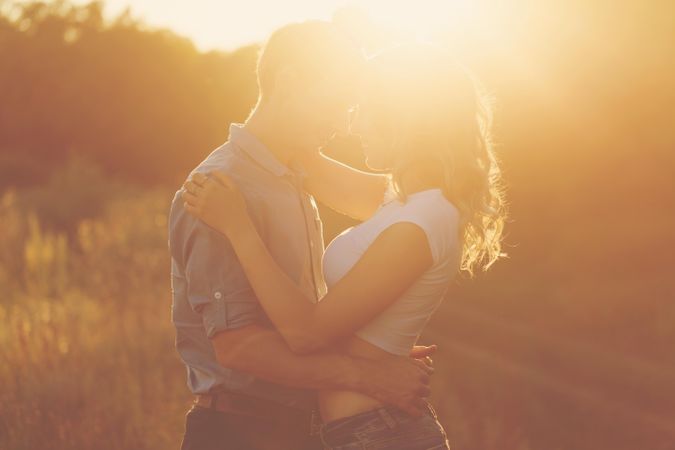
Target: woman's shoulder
{"points": [[431, 204], [435, 214]]}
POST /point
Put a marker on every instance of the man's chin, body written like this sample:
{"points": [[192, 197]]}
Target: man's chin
{"points": [[316, 144], [376, 166]]}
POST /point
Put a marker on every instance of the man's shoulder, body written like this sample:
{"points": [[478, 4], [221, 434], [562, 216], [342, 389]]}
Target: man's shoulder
{"points": [[224, 158], [235, 163], [254, 182], [179, 220]]}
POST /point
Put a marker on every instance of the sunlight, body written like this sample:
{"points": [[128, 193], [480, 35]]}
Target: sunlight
{"points": [[227, 25], [421, 19], [124, 287]]}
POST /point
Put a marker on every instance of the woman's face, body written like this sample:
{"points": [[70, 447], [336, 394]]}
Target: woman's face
{"points": [[375, 138]]}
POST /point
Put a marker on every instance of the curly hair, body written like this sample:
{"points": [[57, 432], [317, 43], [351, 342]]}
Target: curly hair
{"points": [[440, 113]]}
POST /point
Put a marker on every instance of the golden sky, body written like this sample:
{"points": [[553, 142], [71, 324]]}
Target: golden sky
{"points": [[230, 24]]}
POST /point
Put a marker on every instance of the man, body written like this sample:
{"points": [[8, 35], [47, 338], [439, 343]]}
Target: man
{"points": [[251, 391]]}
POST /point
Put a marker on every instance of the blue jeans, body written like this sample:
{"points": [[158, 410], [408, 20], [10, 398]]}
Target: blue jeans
{"points": [[383, 428], [207, 429]]}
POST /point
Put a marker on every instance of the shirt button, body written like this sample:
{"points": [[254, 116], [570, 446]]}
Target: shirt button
{"points": [[218, 295]]}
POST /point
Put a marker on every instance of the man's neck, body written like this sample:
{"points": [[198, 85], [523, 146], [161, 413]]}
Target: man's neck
{"points": [[264, 126]]}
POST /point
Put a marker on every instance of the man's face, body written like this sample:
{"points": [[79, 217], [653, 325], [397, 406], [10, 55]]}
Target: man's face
{"points": [[375, 145], [370, 123], [320, 110]]}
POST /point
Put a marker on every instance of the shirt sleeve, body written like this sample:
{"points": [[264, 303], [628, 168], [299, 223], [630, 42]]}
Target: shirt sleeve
{"points": [[217, 287]]}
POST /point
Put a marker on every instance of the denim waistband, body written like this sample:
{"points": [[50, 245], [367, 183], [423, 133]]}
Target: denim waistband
{"points": [[383, 423], [388, 413]]}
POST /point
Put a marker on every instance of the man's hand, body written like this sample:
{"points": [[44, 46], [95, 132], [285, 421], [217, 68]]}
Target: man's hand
{"points": [[401, 381]]}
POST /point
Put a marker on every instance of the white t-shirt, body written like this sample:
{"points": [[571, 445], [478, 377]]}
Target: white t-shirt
{"points": [[397, 328]]}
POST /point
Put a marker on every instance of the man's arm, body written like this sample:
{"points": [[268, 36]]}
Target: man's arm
{"points": [[400, 380]]}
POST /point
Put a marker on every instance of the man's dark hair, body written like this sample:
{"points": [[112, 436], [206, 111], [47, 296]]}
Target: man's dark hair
{"points": [[312, 48]]}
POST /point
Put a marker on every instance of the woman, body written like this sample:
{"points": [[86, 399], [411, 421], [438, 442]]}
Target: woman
{"points": [[424, 123]]}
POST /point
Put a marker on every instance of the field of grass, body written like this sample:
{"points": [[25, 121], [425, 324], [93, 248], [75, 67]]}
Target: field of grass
{"points": [[86, 342], [87, 356], [531, 356]]}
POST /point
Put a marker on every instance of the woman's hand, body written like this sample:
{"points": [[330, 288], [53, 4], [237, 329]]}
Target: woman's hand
{"points": [[215, 199], [423, 353]]}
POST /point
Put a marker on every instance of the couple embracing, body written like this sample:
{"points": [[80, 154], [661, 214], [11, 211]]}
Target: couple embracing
{"points": [[292, 346]]}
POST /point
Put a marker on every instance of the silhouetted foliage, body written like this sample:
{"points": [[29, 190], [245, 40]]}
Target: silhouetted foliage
{"points": [[143, 104]]}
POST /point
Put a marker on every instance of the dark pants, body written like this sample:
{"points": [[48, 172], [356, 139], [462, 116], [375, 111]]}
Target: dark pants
{"points": [[208, 429], [385, 428]]}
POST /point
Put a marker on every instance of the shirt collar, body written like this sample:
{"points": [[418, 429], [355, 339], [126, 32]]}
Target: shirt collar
{"points": [[259, 152]]}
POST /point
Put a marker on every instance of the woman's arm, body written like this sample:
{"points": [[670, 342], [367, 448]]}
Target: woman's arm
{"points": [[345, 189], [397, 257]]}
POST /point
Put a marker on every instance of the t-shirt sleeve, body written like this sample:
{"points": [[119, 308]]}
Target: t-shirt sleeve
{"points": [[438, 225]]}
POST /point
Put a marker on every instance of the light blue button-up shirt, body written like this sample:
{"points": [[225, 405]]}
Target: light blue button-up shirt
{"points": [[210, 290]]}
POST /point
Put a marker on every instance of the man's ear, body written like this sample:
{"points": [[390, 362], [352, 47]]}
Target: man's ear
{"points": [[285, 83]]}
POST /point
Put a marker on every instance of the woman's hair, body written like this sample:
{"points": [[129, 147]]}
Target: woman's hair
{"points": [[437, 113]]}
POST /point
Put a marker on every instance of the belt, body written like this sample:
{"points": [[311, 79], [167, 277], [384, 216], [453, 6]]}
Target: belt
{"points": [[249, 406]]}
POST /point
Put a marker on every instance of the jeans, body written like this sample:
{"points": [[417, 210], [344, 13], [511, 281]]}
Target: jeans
{"points": [[207, 429], [383, 428]]}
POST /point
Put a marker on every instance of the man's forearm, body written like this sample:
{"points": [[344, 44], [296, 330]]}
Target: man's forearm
{"points": [[262, 352]]}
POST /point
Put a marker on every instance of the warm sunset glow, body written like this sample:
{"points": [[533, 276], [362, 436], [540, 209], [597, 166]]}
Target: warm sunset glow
{"points": [[229, 24], [106, 106]]}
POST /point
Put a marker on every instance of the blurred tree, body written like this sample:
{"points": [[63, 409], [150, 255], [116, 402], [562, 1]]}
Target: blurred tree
{"points": [[144, 104]]}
